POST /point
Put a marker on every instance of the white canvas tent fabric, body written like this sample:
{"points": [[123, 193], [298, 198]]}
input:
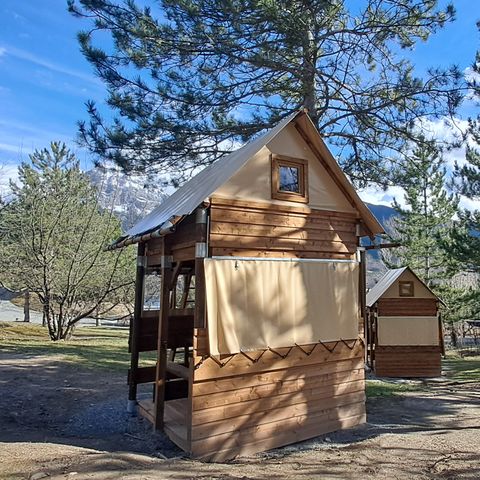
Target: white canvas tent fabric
{"points": [[254, 304], [408, 331]]}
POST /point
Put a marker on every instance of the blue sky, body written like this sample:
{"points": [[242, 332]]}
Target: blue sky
{"points": [[45, 81]]}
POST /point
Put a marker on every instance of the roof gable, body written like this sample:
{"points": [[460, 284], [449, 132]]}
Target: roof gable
{"points": [[198, 189], [252, 182], [191, 194], [383, 286]]}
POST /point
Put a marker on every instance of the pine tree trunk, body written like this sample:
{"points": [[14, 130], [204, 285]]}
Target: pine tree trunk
{"points": [[308, 73], [453, 335]]}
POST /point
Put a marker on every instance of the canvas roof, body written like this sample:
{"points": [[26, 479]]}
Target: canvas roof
{"points": [[387, 281], [198, 189]]}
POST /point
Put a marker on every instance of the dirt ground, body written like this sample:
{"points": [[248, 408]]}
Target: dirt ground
{"points": [[58, 421]]}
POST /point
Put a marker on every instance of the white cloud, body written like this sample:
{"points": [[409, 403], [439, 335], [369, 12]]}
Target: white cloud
{"points": [[448, 130], [377, 196], [471, 75], [443, 129], [3, 51], [10, 126], [8, 171], [21, 138], [469, 204], [8, 147], [36, 60]]}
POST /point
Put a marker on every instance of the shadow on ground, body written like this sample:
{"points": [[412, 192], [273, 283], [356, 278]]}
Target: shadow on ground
{"points": [[430, 434]]}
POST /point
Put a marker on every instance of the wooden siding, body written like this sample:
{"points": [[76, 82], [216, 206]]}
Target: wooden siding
{"points": [[249, 406], [181, 243], [256, 401], [200, 342], [407, 307], [407, 361], [265, 230]]}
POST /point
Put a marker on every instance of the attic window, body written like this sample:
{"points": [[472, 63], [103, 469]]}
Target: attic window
{"points": [[406, 289], [289, 179]]}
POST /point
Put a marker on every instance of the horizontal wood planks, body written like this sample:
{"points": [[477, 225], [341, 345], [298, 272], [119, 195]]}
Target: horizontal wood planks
{"points": [[255, 229], [408, 361], [279, 435], [245, 407], [404, 307], [269, 361], [200, 342]]}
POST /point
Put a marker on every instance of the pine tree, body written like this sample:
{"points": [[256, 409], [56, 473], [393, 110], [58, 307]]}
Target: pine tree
{"points": [[188, 78], [427, 220], [466, 241], [52, 240]]}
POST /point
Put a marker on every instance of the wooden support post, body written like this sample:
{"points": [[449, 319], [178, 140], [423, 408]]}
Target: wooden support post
{"points": [[161, 372], [368, 336], [363, 294], [135, 327], [200, 254]]}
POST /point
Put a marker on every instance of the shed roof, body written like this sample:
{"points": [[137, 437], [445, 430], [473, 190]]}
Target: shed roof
{"points": [[387, 281], [383, 285], [198, 189]]}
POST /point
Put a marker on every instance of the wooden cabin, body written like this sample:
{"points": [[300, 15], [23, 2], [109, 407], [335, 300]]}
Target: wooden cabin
{"points": [[403, 327], [259, 329]]}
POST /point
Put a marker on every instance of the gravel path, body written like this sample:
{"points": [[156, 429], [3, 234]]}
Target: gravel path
{"points": [[62, 422]]}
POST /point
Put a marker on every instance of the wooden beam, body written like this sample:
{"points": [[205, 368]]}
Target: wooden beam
{"points": [[362, 284], [382, 245], [200, 253], [135, 326], [161, 372], [178, 370]]}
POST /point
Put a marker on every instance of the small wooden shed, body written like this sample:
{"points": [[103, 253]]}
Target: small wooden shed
{"points": [[259, 328], [403, 328]]}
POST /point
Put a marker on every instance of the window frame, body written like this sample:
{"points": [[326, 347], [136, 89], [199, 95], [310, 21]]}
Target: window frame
{"points": [[409, 287], [278, 161]]}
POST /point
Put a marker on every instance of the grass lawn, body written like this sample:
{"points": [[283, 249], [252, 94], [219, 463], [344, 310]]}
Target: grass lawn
{"points": [[389, 388], [462, 369], [91, 347], [100, 347], [454, 368]]}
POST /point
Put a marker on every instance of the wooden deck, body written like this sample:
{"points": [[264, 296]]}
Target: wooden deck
{"points": [[175, 420]]}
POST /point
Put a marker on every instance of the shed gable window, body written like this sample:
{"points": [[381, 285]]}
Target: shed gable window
{"points": [[406, 289], [289, 179]]}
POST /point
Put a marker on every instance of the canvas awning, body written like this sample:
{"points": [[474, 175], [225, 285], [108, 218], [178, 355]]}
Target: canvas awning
{"points": [[254, 304]]}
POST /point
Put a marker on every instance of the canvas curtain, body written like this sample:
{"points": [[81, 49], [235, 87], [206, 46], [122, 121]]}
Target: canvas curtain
{"points": [[408, 331], [254, 304]]}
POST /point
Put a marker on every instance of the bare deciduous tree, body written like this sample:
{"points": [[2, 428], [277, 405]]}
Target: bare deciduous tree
{"points": [[52, 243]]}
